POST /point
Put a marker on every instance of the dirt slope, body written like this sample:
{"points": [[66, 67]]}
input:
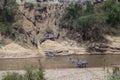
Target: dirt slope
{"points": [[13, 50]]}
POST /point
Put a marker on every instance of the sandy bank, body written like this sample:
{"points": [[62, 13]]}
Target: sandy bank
{"points": [[14, 50], [71, 74]]}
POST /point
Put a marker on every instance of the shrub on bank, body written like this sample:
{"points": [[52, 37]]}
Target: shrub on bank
{"points": [[115, 75], [12, 76], [2, 42], [29, 75]]}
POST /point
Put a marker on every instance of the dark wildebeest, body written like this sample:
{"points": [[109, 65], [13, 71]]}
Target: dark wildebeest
{"points": [[44, 38], [79, 63], [37, 29], [31, 19], [50, 54], [34, 41], [82, 64], [28, 32], [51, 36], [41, 9], [48, 35], [97, 1], [38, 0]]}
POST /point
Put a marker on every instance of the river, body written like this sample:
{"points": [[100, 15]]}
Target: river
{"points": [[58, 62]]}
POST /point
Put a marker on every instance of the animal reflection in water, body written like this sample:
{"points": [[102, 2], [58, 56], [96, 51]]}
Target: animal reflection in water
{"points": [[79, 63]]}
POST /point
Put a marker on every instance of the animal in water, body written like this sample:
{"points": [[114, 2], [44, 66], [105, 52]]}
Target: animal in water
{"points": [[78, 63]]}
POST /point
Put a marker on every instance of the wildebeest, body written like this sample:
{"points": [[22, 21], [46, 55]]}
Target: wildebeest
{"points": [[37, 29], [51, 36], [31, 19], [50, 54], [82, 64], [38, 0], [28, 32], [43, 38], [98, 1], [41, 9], [33, 41], [38, 15], [77, 62], [47, 36]]}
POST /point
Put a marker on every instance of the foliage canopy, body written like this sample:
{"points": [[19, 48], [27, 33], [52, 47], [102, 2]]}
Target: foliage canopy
{"points": [[8, 9], [90, 24]]}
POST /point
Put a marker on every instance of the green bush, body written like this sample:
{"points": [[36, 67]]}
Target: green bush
{"points": [[115, 75], [112, 11], [29, 75], [89, 7], [91, 27], [6, 28], [84, 21], [71, 13], [2, 42], [12, 76], [90, 24], [8, 10]]}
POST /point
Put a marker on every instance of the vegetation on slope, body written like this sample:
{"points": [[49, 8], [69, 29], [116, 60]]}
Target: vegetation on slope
{"points": [[84, 22], [90, 24], [8, 10], [115, 75]]}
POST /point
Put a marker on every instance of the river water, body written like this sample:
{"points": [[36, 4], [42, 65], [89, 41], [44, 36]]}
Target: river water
{"points": [[59, 62]]}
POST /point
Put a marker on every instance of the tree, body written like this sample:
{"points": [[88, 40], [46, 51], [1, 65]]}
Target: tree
{"points": [[8, 9], [5, 29], [84, 21], [30, 74], [112, 11]]}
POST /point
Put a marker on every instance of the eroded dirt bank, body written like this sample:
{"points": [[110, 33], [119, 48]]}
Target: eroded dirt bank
{"points": [[67, 47]]}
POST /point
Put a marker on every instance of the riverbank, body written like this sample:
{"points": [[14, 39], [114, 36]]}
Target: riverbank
{"points": [[64, 47], [70, 74], [14, 50]]}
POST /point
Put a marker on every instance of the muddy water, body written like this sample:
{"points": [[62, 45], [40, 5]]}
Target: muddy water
{"points": [[59, 62]]}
